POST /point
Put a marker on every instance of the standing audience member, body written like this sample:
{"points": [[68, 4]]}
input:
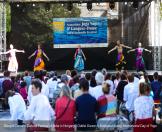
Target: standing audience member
{"points": [[130, 94], [86, 107], [27, 78], [117, 80], [107, 103], [144, 109], [120, 90], [17, 106], [97, 91], [156, 87], [39, 108], [65, 110], [110, 82]]}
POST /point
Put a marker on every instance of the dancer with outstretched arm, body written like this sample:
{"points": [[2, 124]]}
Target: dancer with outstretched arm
{"points": [[120, 58], [13, 64], [140, 64], [39, 62]]}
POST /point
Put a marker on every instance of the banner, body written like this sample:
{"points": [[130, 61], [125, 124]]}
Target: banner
{"points": [[87, 32]]}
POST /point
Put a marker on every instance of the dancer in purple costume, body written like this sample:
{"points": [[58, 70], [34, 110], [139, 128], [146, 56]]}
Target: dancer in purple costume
{"points": [[140, 64]]}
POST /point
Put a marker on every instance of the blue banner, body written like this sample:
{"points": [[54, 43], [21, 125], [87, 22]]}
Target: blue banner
{"points": [[87, 32]]}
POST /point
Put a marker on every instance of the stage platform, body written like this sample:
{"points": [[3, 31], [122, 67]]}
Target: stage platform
{"points": [[113, 72]]}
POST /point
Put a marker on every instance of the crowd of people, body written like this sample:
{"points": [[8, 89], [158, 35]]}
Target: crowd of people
{"points": [[80, 101]]}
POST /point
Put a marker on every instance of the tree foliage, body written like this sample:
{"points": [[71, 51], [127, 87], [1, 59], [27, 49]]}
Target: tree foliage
{"points": [[31, 25]]}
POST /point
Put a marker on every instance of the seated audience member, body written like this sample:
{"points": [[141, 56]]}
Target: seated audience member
{"points": [[86, 107], [17, 106], [120, 90], [73, 74], [65, 111], [23, 90], [97, 91], [144, 109], [39, 108], [88, 77], [160, 112], [68, 73], [107, 103], [156, 87]]}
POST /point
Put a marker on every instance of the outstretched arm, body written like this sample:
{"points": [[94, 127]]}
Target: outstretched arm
{"points": [[31, 55], [131, 50], [46, 56], [147, 50], [112, 49], [7, 52], [22, 51], [126, 46]]}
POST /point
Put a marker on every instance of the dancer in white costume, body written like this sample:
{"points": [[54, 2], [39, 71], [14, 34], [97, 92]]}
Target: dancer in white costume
{"points": [[13, 64]]}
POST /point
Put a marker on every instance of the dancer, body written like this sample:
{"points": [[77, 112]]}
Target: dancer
{"points": [[13, 64], [120, 58], [140, 64], [39, 63], [78, 57]]}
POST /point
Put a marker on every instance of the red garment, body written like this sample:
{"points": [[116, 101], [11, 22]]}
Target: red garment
{"points": [[144, 125], [23, 93], [66, 121]]}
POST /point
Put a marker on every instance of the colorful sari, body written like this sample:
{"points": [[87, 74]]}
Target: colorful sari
{"points": [[120, 61], [79, 62], [140, 65], [39, 63]]}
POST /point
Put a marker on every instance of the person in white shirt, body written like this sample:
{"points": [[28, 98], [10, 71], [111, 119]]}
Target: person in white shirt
{"points": [[144, 109], [44, 90], [17, 106], [130, 93], [40, 108], [110, 82], [97, 91]]}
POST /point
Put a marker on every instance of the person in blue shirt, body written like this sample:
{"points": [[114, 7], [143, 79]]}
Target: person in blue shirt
{"points": [[86, 107], [156, 87]]}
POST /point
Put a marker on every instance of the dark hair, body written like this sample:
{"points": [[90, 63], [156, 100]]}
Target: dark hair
{"points": [[73, 73], [108, 76], [144, 88], [94, 72], [8, 94], [26, 73], [88, 76], [93, 82], [37, 83], [84, 84], [38, 75], [76, 79], [156, 75], [117, 75], [123, 77], [23, 84], [6, 73], [130, 78], [44, 72]]}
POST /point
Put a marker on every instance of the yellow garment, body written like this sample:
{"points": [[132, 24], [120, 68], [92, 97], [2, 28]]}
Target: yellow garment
{"points": [[39, 63]]}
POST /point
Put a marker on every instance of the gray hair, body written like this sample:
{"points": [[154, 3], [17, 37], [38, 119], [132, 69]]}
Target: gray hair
{"points": [[66, 91], [99, 78]]}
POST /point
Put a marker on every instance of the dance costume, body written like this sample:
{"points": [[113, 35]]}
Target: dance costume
{"points": [[39, 63], [13, 64], [79, 62], [120, 61], [140, 65]]}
